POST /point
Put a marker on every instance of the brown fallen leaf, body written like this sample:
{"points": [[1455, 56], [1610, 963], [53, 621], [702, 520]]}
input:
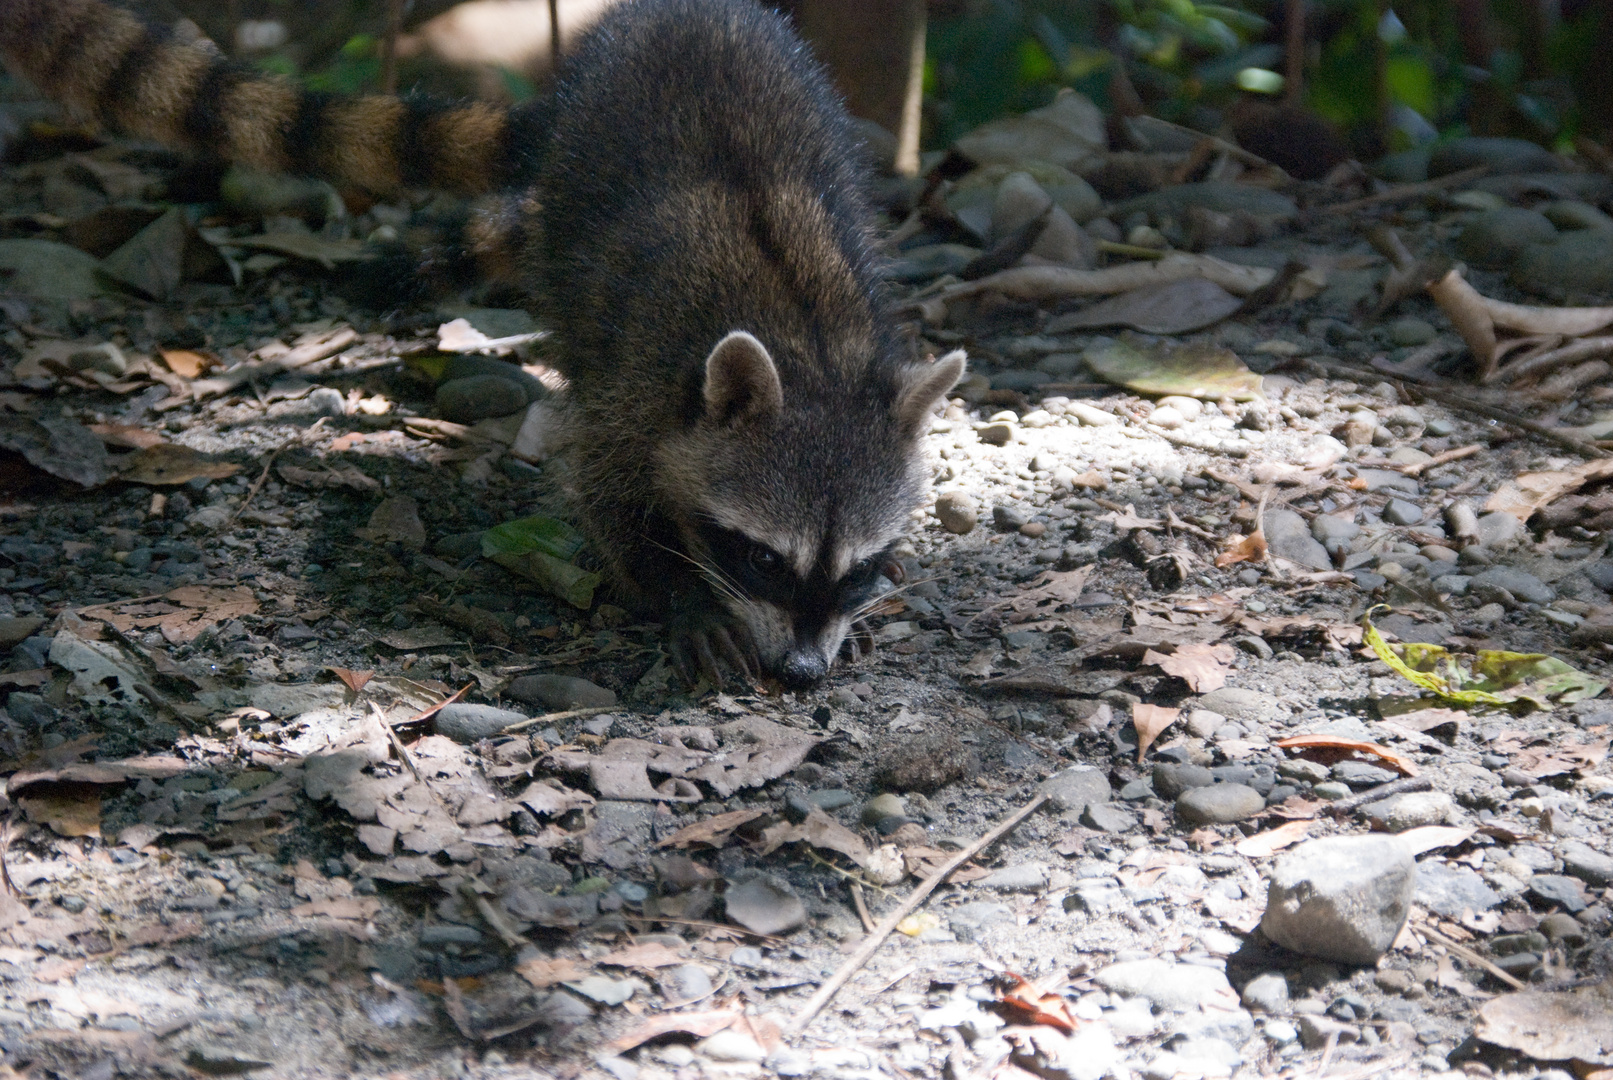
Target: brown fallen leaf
{"points": [[166, 465], [1402, 764], [1553, 1025], [188, 363], [1261, 845], [543, 973], [66, 811], [1527, 493], [1150, 722], [1029, 1004], [355, 680], [345, 477], [700, 1025], [712, 831], [1203, 667], [127, 436], [646, 956], [1251, 548]]}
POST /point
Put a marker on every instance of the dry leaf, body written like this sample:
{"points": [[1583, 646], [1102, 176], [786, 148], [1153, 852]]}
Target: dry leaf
{"points": [[700, 1025], [1203, 667], [1529, 492], [345, 477], [355, 680], [167, 464], [187, 363], [1031, 1005], [1271, 841], [648, 956], [542, 973], [1150, 721], [66, 813], [1402, 764], [712, 831], [1251, 548], [127, 436]]}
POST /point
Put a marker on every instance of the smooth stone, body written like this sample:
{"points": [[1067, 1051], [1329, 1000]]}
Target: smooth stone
{"points": [[1521, 584], [1222, 197], [1566, 892], [1000, 433], [1495, 531], [1219, 804], [1107, 818], [1312, 772], [1204, 723], [1401, 512], [958, 512], [1288, 536], [1502, 155], [881, 807], [1359, 774], [1417, 809], [1332, 530], [1090, 415], [980, 913], [1173, 987], [733, 1046], [1019, 201], [1267, 992], [1172, 778], [1077, 198], [1447, 890], [1243, 705], [1576, 266], [466, 723], [1495, 238], [1010, 517], [1025, 877], [49, 271], [1563, 928], [560, 693], [478, 397], [931, 261], [1076, 788], [1585, 863], [1340, 898], [1411, 332]]}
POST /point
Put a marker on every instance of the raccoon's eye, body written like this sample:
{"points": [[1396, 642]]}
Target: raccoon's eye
{"points": [[764, 561]]}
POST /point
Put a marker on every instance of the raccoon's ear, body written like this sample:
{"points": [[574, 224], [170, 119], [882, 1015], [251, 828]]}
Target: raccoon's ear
{"points": [[741, 380], [922, 386]]}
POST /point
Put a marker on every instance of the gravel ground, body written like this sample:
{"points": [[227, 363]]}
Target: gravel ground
{"points": [[218, 858]]}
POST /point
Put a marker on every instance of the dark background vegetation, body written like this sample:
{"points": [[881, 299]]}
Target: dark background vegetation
{"points": [[1390, 76]]}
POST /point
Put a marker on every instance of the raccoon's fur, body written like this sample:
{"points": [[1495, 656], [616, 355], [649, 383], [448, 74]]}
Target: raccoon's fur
{"points": [[745, 429]]}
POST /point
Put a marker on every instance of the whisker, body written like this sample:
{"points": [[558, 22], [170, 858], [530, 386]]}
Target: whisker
{"points": [[713, 575]]}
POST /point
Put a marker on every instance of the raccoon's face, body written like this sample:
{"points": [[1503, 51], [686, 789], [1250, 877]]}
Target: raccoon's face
{"points": [[791, 508]]}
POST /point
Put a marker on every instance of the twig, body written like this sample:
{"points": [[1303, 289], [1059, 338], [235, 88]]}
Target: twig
{"points": [[861, 905], [550, 718], [397, 743], [427, 714], [389, 47], [257, 486], [877, 936], [1409, 191], [1470, 956], [1420, 467], [1465, 403], [1327, 1053], [1340, 807], [554, 36]]}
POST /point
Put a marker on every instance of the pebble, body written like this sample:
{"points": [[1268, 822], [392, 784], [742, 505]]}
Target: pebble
{"points": [[1411, 332], [1107, 818], [1023, 877], [1090, 416], [1288, 536], [1340, 898], [478, 397], [1243, 705], [1074, 789], [1359, 774], [1219, 804], [1190, 408], [1313, 772], [1447, 890], [1267, 992], [1495, 238], [1585, 863], [1019, 201], [958, 512], [1000, 433], [1496, 531], [1575, 265], [1009, 517], [1173, 987], [1167, 418], [559, 693], [1171, 778], [1566, 892], [1564, 928], [1401, 512], [1204, 723], [732, 1045], [881, 807], [1521, 584], [687, 982], [1502, 155], [466, 723], [1417, 809]]}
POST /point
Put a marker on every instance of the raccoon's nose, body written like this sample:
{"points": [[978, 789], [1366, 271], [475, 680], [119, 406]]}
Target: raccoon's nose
{"points": [[803, 668]]}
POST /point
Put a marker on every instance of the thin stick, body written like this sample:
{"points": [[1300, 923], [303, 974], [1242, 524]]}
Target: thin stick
{"points": [[554, 36], [861, 905], [389, 47], [1418, 468], [1470, 956], [257, 485], [427, 714], [1463, 403], [397, 743], [872, 942], [907, 134], [1340, 807], [549, 718], [1294, 53], [1409, 191]]}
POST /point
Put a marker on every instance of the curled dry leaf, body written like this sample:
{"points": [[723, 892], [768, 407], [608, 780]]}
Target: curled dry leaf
{"points": [[1203, 667], [1052, 282], [1261, 845], [1150, 722], [1399, 762], [345, 477], [712, 831], [1251, 548], [1029, 1004], [165, 465], [127, 436], [354, 680], [1526, 493], [187, 363], [1477, 317]]}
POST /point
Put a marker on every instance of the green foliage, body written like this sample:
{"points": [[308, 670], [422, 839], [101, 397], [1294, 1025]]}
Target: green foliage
{"points": [[356, 69]]}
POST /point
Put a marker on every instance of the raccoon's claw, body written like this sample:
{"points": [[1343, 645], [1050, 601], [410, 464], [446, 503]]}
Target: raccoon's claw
{"points": [[701, 648], [859, 642]]}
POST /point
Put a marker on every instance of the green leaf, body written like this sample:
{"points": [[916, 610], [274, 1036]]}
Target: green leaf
{"points": [[568, 581], [547, 535]]}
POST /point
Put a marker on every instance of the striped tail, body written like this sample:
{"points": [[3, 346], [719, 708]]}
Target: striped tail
{"points": [[109, 64]]}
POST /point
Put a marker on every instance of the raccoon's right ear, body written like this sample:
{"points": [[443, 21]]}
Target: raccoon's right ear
{"points": [[924, 385], [741, 380]]}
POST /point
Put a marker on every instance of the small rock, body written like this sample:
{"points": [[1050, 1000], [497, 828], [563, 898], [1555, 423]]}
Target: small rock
{"points": [[764, 906], [1359, 774], [1167, 418], [1501, 155], [1288, 536], [1448, 890], [1019, 201], [1401, 512], [1245, 706], [1563, 928], [1316, 1031], [1108, 818], [1498, 531], [1587, 864], [1025, 877], [1267, 992], [686, 982], [1089, 415], [1495, 238], [1219, 804], [1173, 987], [732, 1045], [1566, 892], [559, 693], [1000, 433], [1009, 517], [881, 807], [478, 397], [1411, 332], [1525, 586], [1340, 898], [1203, 723], [957, 511], [465, 723], [1172, 778], [1418, 809], [1074, 789]]}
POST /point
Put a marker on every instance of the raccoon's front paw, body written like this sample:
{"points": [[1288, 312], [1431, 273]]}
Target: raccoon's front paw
{"points": [[705, 644]]}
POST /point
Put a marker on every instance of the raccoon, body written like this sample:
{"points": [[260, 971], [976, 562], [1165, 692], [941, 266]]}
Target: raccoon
{"points": [[745, 423]]}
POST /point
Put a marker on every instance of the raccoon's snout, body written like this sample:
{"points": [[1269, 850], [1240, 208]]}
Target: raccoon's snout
{"points": [[803, 668]]}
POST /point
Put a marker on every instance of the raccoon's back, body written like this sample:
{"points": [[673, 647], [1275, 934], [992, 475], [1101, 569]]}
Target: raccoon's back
{"points": [[699, 179]]}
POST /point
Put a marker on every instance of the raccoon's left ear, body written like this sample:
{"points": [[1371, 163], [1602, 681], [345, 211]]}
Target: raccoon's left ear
{"points": [[922, 386], [741, 380]]}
